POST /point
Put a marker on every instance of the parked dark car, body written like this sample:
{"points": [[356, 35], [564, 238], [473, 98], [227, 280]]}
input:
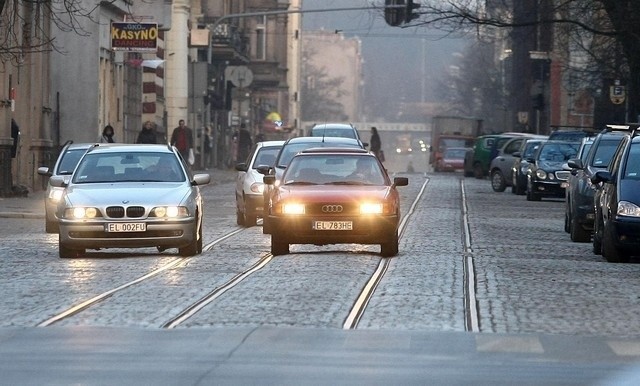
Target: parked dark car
{"points": [[546, 176], [617, 203], [521, 165], [500, 169], [579, 212]]}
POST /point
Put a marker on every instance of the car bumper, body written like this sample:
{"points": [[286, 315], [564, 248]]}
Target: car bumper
{"points": [[87, 235], [549, 188], [366, 230], [254, 205], [627, 234]]}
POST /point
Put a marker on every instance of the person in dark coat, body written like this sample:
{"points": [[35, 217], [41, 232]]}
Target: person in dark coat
{"points": [[147, 134], [244, 143], [375, 145]]}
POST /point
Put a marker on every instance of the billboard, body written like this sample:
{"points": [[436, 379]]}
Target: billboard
{"points": [[134, 36]]}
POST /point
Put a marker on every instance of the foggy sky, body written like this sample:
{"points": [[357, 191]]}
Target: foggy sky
{"points": [[396, 59]]}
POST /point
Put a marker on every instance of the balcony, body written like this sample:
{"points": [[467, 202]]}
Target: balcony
{"points": [[229, 44]]}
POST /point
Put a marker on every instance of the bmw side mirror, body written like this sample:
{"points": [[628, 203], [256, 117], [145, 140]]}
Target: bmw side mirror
{"points": [[575, 163], [602, 176], [44, 171], [201, 179], [58, 181]]}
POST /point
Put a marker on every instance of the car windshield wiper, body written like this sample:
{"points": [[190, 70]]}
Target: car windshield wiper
{"points": [[300, 183], [347, 183]]}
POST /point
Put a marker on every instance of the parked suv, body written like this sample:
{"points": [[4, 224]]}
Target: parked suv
{"points": [[500, 169], [546, 176], [616, 232], [579, 212]]}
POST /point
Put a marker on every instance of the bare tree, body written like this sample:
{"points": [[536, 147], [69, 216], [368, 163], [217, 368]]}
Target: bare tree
{"points": [[602, 21], [320, 93]]}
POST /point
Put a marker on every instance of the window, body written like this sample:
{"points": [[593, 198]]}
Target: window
{"points": [[261, 40]]}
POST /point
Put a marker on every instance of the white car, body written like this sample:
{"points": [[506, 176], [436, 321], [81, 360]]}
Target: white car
{"points": [[64, 166], [130, 196], [249, 185]]}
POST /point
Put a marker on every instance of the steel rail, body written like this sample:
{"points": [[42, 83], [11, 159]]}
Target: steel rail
{"points": [[472, 317], [98, 298], [358, 308]]}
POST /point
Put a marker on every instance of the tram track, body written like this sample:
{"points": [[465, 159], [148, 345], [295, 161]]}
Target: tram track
{"points": [[351, 321], [472, 316]]}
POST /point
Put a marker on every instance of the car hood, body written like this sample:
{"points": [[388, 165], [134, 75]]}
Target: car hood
{"points": [[165, 193], [550, 165], [628, 191], [328, 193]]}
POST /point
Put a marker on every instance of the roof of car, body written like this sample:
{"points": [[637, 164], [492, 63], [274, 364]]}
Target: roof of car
{"points": [[118, 147], [333, 150], [83, 145], [270, 143], [322, 139], [332, 125]]}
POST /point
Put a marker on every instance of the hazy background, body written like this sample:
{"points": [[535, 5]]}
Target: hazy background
{"points": [[400, 64]]}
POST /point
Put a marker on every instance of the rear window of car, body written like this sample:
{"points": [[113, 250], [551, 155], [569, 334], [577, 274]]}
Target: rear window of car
{"points": [[290, 150]]}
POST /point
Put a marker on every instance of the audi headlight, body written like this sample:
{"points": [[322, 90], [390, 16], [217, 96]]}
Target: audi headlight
{"points": [[541, 174], [626, 208], [169, 211], [257, 187], [81, 213], [371, 208], [293, 208]]}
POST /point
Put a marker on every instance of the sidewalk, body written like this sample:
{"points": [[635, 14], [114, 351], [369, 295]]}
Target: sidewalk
{"points": [[33, 205]]}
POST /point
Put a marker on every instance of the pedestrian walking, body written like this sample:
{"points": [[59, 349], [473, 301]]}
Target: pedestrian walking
{"points": [[147, 134], [208, 147], [244, 143], [107, 135], [376, 144], [182, 139]]}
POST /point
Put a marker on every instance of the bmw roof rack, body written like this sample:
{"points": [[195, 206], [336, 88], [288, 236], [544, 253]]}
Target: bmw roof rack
{"points": [[631, 127]]}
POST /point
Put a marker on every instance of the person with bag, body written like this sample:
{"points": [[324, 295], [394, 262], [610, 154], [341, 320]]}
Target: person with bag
{"points": [[376, 144], [182, 139]]}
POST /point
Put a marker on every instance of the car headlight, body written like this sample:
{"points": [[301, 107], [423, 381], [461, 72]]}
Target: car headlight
{"points": [[371, 208], [626, 208], [82, 213], [257, 187], [55, 194], [169, 211], [541, 174], [293, 208]]}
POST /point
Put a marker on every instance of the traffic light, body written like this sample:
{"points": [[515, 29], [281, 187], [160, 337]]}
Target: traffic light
{"points": [[409, 13], [398, 12], [393, 13]]}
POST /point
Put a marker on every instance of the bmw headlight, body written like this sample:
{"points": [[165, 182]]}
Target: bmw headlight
{"points": [[55, 194], [541, 174], [293, 208], [371, 208], [626, 208], [169, 211], [82, 213], [257, 187]]}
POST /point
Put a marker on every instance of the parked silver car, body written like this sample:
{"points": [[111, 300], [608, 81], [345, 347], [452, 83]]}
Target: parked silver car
{"points": [[64, 166], [249, 184], [500, 168], [130, 196]]}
